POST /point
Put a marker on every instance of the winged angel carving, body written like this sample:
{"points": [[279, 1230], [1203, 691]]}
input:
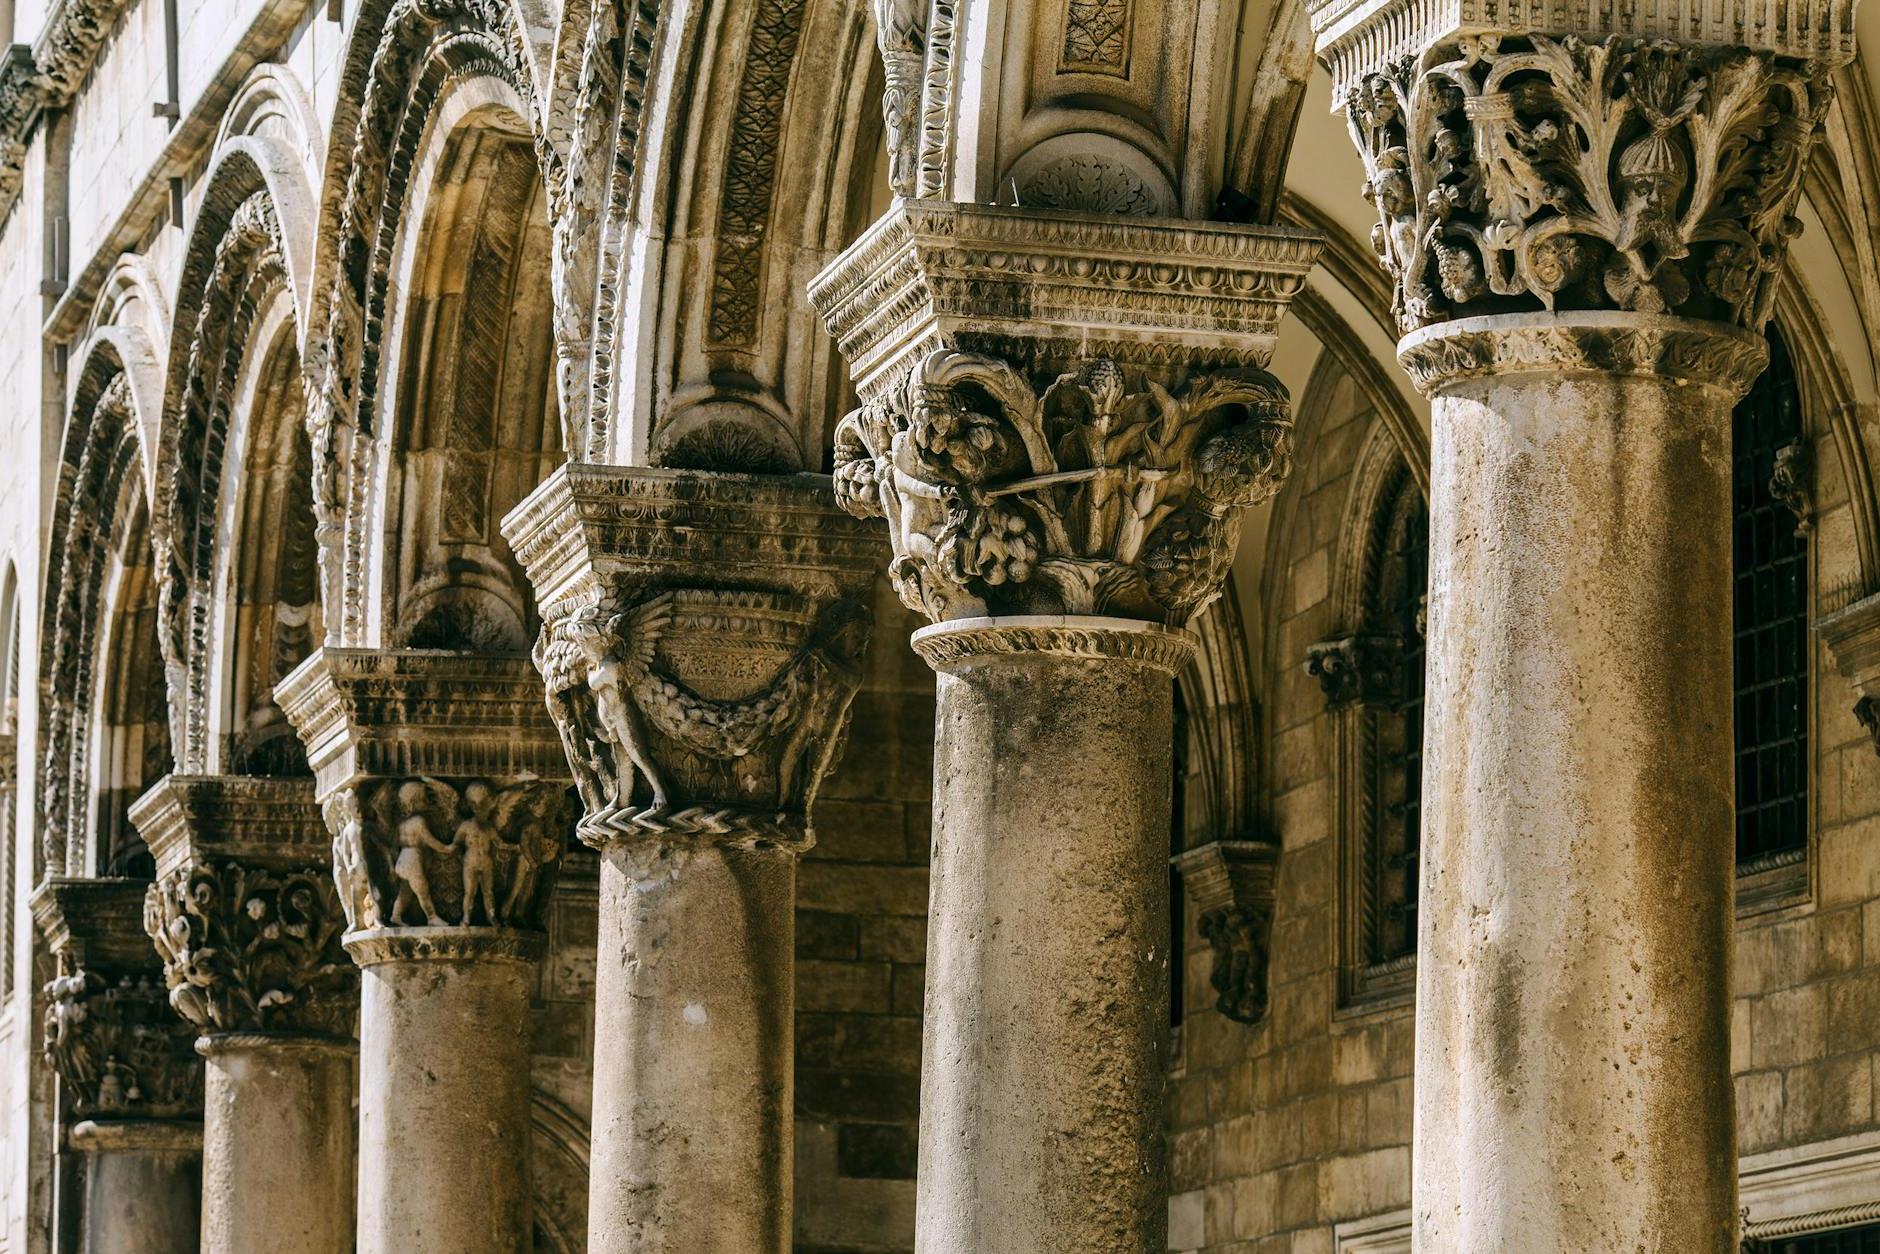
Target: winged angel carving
{"points": [[419, 851], [1621, 173], [650, 753], [1087, 498]]}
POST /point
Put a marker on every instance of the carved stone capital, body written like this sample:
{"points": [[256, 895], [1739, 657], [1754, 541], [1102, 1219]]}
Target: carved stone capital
{"points": [[244, 911], [1521, 157], [117, 1047], [1231, 883], [441, 780], [1853, 638], [1062, 414], [1703, 354], [1355, 668], [702, 640]]}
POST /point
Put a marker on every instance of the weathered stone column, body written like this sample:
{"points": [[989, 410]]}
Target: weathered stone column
{"points": [[130, 1084], [443, 784], [246, 917], [1062, 420], [702, 640], [1585, 232]]}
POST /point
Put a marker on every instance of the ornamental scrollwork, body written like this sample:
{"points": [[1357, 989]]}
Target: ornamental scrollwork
{"points": [[728, 744], [1648, 176], [422, 852], [118, 1050], [252, 949], [1095, 495]]}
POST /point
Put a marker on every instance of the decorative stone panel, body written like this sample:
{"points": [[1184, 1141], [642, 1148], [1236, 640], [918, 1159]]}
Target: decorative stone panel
{"points": [[702, 640], [244, 911]]}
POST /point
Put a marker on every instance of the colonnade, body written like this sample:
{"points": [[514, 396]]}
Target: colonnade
{"points": [[1061, 420]]}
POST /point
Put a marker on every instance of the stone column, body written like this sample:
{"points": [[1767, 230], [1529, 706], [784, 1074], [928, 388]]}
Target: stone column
{"points": [[702, 642], [1585, 232], [443, 785], [246, 917], [130, 1084], [1063, 418]]}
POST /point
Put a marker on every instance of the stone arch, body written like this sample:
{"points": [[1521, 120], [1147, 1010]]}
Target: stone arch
{"points": [[467, 387], [753, 156], [273, 104], [104, 731], [236, 269], [558, 1167], [1222, 717], [405, 58]]}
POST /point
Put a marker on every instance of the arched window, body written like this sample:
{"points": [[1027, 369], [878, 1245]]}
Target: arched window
{"points": [[1372, 675], [1770, 607], [1400, 584]]}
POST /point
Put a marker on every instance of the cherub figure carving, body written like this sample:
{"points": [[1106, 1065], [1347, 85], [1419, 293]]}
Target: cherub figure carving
{"points": [[353, 839], [66, 1013], [479, 840], [538, 845], [414, 836]]}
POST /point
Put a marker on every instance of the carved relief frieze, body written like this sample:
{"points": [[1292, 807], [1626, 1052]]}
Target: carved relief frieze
{"points": [[1231, 886], [423, 852], [703, 638], [1060, 414]]}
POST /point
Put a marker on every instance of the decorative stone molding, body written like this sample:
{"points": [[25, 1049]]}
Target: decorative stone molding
{"points": [[244, 911], [1355, 668], [442, 781], [1521, 157], [947, 646], [702, 640], [901, 34], [119, 1051], [1853, 638], [1707, 354], [1231, 883], [23, 93], [1061, 414]]}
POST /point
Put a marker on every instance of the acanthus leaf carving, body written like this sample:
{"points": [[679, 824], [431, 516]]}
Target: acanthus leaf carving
{"points": [[253, 949], [424, 852], [1521, 173], [1094, 494]]}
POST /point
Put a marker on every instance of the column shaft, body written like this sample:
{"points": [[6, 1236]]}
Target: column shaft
{"points": [[1573, 1056], [1047, 963], [443, 1094], [695, 1006], [142, 1183], [278, 1146]]}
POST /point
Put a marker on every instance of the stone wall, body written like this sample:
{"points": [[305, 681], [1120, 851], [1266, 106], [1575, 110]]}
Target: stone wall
{"points": [[861, 949]]}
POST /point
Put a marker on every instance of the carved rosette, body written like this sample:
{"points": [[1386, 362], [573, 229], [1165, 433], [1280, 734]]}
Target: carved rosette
{"points": [[118, 1048], [1520, 164], [1061, 415], [702, 640], [1231, 884]]}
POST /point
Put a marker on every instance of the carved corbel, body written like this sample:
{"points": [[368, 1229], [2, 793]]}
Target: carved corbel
{"points": [[1853, 638], [110, 1035], [1352, 668], [1793, 481], [1231, 884], [702, 641]]}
